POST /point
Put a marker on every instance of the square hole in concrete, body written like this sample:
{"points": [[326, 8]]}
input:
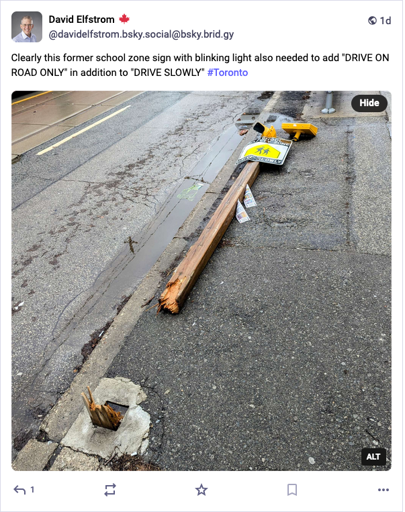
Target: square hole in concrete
{"points": [[132, 434], [118, 408]]}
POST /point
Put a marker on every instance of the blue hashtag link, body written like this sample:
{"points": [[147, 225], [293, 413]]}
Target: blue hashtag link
{"points": [[226, 72]]}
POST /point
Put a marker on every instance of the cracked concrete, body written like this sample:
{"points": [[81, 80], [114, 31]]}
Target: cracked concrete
{"points": [[35, 456], [70, 460], [133, 431]]}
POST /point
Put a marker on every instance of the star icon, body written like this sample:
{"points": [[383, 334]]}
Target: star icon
{"points": [[201, 490]]}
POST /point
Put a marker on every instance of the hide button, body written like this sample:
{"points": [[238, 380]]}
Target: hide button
{"points": [[369, 103]]}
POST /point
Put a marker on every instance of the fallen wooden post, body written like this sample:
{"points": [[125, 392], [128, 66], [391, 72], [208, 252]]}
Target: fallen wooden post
{"points": [[187, 273], [102, 415]]}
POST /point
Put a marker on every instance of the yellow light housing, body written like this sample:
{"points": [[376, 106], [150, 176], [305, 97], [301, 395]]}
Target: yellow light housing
{"points": [[297, 129]]}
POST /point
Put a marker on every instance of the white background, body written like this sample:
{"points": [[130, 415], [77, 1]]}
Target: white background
{"points": [[259, 27]]}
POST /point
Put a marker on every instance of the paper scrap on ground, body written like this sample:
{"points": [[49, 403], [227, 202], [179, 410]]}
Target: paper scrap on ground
{"points": [[249, 200], [241, 214]]}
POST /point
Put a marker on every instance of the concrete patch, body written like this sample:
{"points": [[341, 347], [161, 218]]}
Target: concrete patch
{"points": [[34, 456], [131, 435], [69, 460]]}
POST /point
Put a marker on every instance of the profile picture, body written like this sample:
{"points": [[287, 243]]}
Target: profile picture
{"points": [[26, 27]]}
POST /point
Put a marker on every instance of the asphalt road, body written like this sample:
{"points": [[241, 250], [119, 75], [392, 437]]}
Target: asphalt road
{"points": [[78, 213], [280, 357]]}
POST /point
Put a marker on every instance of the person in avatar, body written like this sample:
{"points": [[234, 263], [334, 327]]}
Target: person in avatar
{"points": [[26, 35]]}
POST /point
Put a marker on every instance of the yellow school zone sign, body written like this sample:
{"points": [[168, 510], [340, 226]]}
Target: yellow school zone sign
{"points": [[269, 151], [263, 149]]}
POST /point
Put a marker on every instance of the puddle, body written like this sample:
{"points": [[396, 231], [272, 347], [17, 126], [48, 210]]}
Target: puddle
{"points": [[176, 209], [160, 232], [132, 264]]}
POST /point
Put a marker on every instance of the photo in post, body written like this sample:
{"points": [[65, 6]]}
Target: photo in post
{"points": [[145, 339]]}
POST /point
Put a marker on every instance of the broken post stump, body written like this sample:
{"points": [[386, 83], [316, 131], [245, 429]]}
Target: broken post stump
{"points": [[101, 415], [187, 273]]}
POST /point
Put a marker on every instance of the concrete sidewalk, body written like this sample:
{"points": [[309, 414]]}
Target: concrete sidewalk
{"points": [[280, 358]]}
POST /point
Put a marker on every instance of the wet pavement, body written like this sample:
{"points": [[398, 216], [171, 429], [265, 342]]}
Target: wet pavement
{"points": [[39, 116], [90, 218]]}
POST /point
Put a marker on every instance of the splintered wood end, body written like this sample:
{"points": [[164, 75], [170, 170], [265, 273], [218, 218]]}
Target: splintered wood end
{"points": [[115, 416], [102, 415], [168, 300], [173, 307]]}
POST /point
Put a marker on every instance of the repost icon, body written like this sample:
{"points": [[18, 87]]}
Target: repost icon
{"points": [[292, 489]]}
